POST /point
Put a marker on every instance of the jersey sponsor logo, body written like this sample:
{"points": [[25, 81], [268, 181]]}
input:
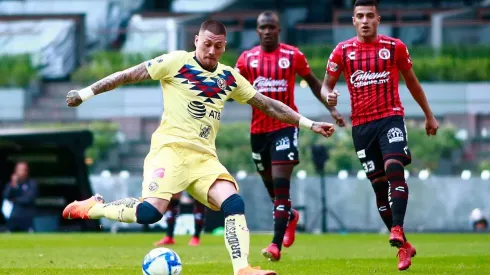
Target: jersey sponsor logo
{"points": [[263, 84], [332, 66], [295, 137], [232, 238], [215, 114], [283, 144], [153, 186], [361, 78], [352, 55], [284, 63], [205, 131], [158, 173], [254, 63], [387, 42], [288, 51], [384, 54], [196, 109], [395, 135], [361, 153], [346, 46], [207, 87]]}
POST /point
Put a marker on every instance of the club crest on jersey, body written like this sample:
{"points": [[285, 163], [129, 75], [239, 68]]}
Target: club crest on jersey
{"points": [[384, 54], [284, 63], [221, 83]]}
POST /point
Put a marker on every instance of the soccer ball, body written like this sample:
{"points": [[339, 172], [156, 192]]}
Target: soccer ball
{"points": [[162, 261]]}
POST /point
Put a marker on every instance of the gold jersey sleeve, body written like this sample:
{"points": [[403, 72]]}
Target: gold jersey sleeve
{"points": [[160, 68]]}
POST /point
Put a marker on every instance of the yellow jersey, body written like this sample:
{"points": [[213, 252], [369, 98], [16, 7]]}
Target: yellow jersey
{"points": [[193, 99]]}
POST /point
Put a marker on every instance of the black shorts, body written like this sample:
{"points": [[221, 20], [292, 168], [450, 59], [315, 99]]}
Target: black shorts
{"points": [[380, 140], [276, 147]]}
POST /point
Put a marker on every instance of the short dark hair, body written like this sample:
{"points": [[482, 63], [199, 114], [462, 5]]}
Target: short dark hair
{"points": [[213, 26], [359, 3]]}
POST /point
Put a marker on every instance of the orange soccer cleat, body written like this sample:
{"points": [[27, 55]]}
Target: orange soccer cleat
{"points": [[79, 209], [255, 271]]}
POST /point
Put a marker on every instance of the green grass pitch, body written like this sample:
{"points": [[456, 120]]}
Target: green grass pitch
{"points": [[123, 253]]}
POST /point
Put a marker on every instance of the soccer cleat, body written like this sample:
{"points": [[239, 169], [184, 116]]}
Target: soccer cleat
{"points": [[165, 241], [396, 236], [272, 252], [255, 271], [405, 255], [79, 209], [290, 234], [194, 241]]}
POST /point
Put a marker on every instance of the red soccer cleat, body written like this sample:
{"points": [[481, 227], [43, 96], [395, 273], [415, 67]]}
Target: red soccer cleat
{"points": [[165, 241], [290, 234], [405, 255], [79, 209], [272, 252], [194, 241], [396, 236]]}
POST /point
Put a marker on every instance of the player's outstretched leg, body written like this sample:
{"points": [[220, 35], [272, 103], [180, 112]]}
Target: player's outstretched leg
{"points": [[398, 195], [171, 215], [199, 212], [128, 210], [237, 236]]}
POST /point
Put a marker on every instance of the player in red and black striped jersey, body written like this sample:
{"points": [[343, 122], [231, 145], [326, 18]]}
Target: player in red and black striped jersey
{"points": [[371, 64], [272, 68]]}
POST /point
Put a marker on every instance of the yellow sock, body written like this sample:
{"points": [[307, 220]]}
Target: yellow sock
{"points": [[122, 210], [237, 241]]}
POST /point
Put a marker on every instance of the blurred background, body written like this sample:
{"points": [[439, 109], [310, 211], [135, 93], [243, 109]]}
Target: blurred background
{"points": [[49, 47]]}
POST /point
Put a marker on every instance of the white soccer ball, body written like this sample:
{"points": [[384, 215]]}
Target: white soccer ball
{"points": [[162, 261]]}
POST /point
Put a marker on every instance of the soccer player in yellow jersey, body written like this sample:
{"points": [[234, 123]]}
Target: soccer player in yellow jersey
{"points": [[183, 154]]}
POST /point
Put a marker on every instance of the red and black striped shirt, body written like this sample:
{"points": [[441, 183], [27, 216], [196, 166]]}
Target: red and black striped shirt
{"points": [[272, 74], [371, 72]]}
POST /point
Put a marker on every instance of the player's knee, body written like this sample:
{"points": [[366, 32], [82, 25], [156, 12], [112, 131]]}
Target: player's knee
{"points": [[394, 167], [233, 205], [146, 213], [401, 160]]}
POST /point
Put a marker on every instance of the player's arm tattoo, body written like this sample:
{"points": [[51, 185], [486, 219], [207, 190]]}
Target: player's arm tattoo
{"points": [[275, 109], [131, 75]]}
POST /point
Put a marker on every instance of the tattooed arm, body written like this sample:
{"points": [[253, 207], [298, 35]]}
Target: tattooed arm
{"points": [[284, 113], [131, 75]]}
